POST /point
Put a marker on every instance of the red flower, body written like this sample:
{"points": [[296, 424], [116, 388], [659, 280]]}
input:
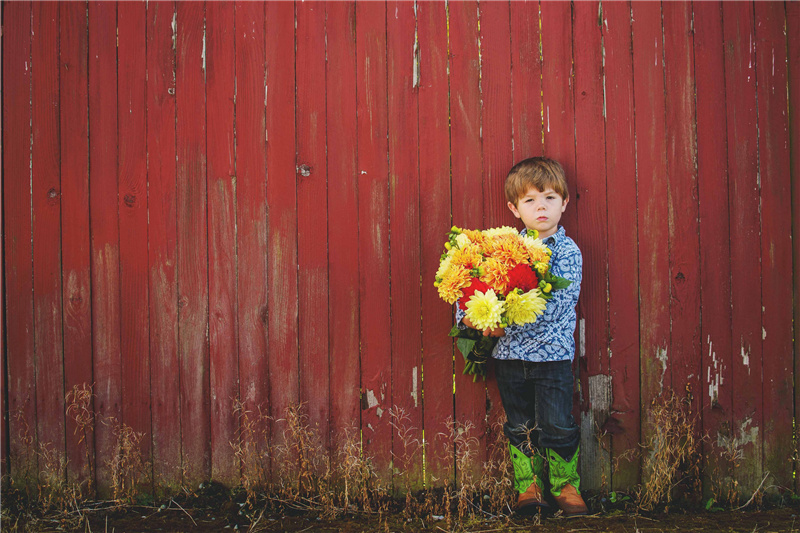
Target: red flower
{"points": [[476, 285], [522, 277]]}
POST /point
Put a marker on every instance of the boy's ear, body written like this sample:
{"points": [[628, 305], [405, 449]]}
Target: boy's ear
{"points": [[564, 205], [513, 209]]}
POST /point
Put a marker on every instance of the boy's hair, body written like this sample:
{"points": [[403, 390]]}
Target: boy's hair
{"points": [[538, 172]]}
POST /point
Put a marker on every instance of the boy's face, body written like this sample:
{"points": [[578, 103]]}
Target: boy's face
{"points": [[540, 210]]}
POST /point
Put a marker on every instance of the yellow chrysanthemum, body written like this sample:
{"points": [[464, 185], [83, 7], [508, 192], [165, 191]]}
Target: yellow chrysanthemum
{"points": [[541, 267], [495, 274], [484, 310], [502, 230], [511, 252], [524, 308], [536, 249], [469, 257], [456, 278]]}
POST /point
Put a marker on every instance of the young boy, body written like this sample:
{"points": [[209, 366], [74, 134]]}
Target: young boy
{"points": [[533, 361]]}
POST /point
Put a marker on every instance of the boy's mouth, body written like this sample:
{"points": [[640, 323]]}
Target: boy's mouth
{"points": [[541, 219]]}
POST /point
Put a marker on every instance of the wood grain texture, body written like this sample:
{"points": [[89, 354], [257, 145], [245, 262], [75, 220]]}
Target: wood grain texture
{"points": [[312, 217], [18, 250], [342, 231], [623, 244], [373, 251], [192, 256], [590, 201], [76, 252], [133, 234], [776, 243], [747, 431], [716, 392], [222, 265], [163, 243], [404, 227], [104, 213], [435, 200], [46, 233]]}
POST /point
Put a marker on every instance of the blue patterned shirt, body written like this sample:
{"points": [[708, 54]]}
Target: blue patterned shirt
{"points": [[552, 336]]}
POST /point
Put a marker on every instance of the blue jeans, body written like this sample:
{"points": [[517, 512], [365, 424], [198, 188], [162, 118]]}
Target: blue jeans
{"points": [[537, 398]]}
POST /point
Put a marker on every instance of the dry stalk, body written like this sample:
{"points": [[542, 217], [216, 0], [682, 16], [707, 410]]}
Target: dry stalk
{"points": [[128, 467], [405, 462], [672, 456], [254, 460], [79, 408]]}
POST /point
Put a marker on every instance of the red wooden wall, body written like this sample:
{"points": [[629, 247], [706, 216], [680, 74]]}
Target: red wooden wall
{"points": [[205, 202]]}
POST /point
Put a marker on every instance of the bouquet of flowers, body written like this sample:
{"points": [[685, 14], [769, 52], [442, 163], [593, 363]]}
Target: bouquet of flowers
{"points": [[499, 278]]}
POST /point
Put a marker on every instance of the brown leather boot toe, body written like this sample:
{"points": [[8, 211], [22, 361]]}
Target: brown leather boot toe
{"points": [[571, 502], [531, 500]]}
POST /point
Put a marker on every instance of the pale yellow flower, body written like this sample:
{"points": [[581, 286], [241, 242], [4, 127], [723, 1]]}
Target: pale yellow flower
{"points": [[443, 267], [484, 310], [536, 249], [524, 308], [502, 230], [462, 241]]}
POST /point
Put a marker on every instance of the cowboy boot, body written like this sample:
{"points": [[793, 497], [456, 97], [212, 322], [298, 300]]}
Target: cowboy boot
{"points": [[565, 483], [528, 472]]}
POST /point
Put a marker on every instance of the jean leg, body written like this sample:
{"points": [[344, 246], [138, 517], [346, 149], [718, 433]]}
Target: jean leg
{"points": [[558, 430], [519, 402]]}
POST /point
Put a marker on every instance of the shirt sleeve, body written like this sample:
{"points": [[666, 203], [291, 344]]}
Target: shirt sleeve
{"points": [[460, 317], [569, 266]]}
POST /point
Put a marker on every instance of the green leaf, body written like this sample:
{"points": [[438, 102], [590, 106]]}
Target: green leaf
{"points": [[454, 332], [559, 283], [465, 346]]}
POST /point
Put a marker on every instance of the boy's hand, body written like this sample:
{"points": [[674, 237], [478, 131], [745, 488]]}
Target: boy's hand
{"points": [[496, 332]]}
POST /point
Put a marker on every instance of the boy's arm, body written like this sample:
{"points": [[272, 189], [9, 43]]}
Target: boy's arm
{"points": [[570, 267]]}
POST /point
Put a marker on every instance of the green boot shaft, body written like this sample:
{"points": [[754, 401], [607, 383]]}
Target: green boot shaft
{"points": [[563, 471], [527, 470]]}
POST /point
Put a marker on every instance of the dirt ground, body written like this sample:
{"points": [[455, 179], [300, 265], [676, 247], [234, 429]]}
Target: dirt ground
{"points": [[176, 518]]}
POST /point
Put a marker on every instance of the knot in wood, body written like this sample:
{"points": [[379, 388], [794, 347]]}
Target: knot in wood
{"points": [[52, 193], [130, 199], [304, 170]]}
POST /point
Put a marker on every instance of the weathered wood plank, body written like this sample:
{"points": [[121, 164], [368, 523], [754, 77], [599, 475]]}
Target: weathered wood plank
{"points": [[404, 227], [162, 213], [434, 176], [192, 242], [18, 251], [747, 429], [373, 252], [224, 349], [776, 244], [46, 233], [526, 74], [588, 198], [312, 216], [715, 290], [623, 246], [76, 253]]}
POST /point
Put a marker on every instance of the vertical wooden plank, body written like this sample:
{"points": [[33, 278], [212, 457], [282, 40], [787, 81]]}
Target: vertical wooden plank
{"points": [[3, 367], [162, 212], [76, 252], [281, 195], [526, 73], [715, 267], [793, 36], [46, 191], [406, 324], [467, 183], [434, 175], [654, 288], [776, 244], [590, 202], [558, 98], [622, 227], [496, 118], [740, 85], [312, 216], [134, 318], [251, 206], [192, 242], [684, 263], [224, 364], [103, 193], [18, 232], [342, 221], [373, 249]]}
